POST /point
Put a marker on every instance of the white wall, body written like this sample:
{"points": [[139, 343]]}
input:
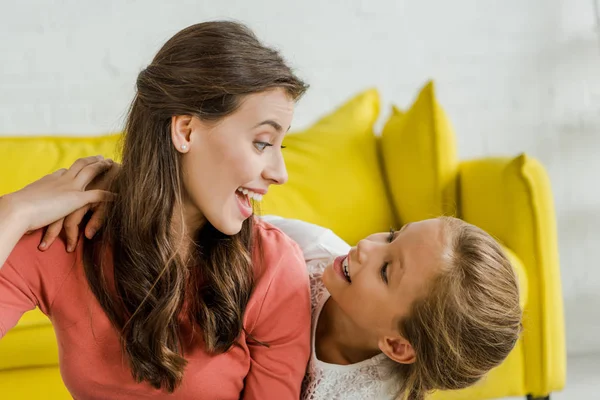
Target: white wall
{"points": [[513, 75]]}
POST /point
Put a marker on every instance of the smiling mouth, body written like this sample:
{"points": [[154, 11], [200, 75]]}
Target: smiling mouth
{"points": [[242, 191], [345, 270]]}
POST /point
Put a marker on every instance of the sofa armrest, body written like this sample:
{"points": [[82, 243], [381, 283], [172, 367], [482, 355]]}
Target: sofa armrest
{"points": [[511, 199]]}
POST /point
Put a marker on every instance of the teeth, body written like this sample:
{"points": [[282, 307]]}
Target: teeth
{"points": [[252, 195], [345, 268]]}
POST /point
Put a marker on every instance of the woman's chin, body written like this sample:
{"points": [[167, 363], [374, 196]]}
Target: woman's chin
{"points": [[230, 226]]}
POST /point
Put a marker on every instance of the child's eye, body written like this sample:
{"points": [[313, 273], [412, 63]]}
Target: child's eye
{"points": [[384, 276], [384, 269], [261, 146]]}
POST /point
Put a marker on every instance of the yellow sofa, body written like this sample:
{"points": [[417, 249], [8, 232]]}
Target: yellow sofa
{"points": [[346, 178]]}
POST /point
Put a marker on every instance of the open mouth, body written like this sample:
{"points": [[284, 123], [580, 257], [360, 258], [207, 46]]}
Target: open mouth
{"points": [[244, 199], [345, 270], [249, 194], [244, 195]]}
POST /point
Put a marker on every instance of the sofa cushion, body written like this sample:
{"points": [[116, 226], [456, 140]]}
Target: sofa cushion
{"points": [[521, 272], [334, 173], [25, 159], [419, 158], [512, 198]]}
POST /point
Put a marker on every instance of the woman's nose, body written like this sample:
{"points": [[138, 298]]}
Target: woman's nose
{"points": [[275, 171]]}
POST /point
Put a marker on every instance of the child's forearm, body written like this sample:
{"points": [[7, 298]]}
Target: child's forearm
{"points": [[11, 228]]}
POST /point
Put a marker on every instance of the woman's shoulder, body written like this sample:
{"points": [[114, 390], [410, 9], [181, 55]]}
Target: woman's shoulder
{"points": [[266, 230], [280, 274], [276, 256], [272, 246], [41, 272], [27, 256]]}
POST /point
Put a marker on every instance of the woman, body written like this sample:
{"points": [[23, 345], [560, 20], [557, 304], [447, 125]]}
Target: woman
{"points": [[182, 294]]}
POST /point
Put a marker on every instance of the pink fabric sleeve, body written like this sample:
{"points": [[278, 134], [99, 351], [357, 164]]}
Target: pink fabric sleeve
{"points": [[29, 278], [16, 297], [283, 323]]}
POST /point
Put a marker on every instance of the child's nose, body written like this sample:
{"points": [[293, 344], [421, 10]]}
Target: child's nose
{"points": [[363, 248]]}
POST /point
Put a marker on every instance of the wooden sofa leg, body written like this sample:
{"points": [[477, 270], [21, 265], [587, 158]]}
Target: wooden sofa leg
{"points": [[530, 397]]}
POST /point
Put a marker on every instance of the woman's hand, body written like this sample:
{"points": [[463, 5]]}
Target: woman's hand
{"points": [[59, 194], [71, 222]]}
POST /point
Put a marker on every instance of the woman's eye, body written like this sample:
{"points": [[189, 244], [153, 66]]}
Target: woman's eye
{"points": [[261, 146], [384, 276]]}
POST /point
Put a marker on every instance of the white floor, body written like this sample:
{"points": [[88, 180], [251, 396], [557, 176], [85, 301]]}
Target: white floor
{"points": [[583, 379]]}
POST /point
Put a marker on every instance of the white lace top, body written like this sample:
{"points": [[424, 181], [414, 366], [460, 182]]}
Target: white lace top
{"points": [[324, 381]]}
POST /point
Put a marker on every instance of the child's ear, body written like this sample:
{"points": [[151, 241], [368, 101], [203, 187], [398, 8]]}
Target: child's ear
{"points": [[398, 349]]}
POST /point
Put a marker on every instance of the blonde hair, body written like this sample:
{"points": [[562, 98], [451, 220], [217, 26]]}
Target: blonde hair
{"points": [[468, 322]]}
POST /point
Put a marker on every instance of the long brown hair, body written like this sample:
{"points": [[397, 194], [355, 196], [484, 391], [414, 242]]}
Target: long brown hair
{"points": [[205, 71], [469, 321]]}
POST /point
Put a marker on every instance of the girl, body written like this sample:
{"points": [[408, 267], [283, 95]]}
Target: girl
{"points": [[434, 306]]}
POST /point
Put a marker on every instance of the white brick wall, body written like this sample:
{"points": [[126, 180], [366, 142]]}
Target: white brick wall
{"points": [[513, 75]]}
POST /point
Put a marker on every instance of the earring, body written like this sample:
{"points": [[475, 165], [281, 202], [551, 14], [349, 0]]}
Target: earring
{"points": [[184, 147]]}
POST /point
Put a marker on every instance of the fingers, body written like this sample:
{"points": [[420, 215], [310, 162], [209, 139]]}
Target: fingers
{"points": [[71, 226], [91, 171], [105, 180], [81, 163], [59, 172], [71, 223], [51, 234], [96, 221], [98, 196], [54, 175]]}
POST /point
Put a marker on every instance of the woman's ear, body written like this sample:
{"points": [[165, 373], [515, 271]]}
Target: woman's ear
{"points": [[398, 349], [181, 130]]}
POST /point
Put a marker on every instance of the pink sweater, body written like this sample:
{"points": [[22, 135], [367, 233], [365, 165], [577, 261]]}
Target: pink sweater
{"points": [[92, 364]]}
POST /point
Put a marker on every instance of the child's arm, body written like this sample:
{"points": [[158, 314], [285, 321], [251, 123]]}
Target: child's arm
{"points": [[49, 199]]}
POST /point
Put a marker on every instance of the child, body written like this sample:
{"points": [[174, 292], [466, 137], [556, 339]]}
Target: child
{"points": [[433, 306]]}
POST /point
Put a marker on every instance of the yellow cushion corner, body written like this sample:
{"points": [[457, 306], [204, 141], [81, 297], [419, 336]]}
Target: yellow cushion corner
{"points": [[419, 157]]}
